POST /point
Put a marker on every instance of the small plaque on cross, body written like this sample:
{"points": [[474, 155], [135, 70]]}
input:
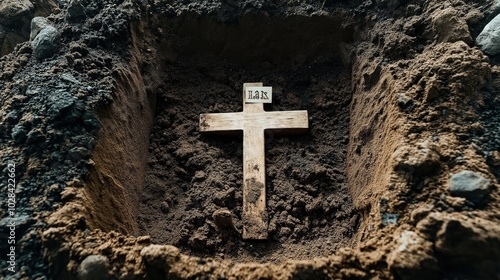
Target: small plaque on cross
{"points": [[253, 121], [258, 95]]}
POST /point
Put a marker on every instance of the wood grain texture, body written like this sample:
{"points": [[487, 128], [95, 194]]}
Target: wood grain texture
{"points": [[253, 121]]}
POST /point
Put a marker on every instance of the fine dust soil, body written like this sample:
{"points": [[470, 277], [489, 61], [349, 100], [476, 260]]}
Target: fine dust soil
{"points": [[422, 103], [191, 176]]}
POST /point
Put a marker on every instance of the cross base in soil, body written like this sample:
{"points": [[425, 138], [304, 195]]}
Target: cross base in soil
{"points": [[253, 121]]}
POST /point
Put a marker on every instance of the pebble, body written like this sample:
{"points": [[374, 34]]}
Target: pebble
{"points": [[19, 134], [93, 267], [389, 218], [165, 207], [37, 24], [45, 43], [223, 219], [489, 39], [404, 102], [65, 108], [200, 175], [69, 78], [470, 185]]}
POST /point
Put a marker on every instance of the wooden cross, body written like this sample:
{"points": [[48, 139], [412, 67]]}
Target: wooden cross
{"points": [[253, 121]]}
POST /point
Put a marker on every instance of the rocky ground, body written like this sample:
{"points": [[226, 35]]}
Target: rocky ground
{"points": [[396, 179]]}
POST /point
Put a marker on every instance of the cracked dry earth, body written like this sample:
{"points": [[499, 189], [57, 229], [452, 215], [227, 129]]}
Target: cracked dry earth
{"points": [[397, 177]]}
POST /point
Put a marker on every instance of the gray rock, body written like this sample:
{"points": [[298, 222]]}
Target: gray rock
{"points": [[12, 10], [19, 134], [404, 102], [12, 117], [46, 42], [389, 218], [69, 78], [489, 39], [470, 185], [37, 24], [19, 221], [93, 267], [65, 108]]}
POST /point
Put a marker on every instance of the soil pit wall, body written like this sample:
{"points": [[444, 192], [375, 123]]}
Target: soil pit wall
{"points": [[168, 184]]}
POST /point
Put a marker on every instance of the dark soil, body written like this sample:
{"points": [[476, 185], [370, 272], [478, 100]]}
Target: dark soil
{"points": [[190, 176]]}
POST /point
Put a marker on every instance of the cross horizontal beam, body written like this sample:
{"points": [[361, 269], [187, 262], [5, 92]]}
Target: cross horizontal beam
{"points": [[253, 121]]}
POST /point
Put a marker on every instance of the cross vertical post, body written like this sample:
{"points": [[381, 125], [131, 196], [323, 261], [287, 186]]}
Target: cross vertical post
{"points": [[253, 121]]}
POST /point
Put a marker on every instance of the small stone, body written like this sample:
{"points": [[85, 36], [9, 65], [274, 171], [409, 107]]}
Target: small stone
{"points": [[470, 185], [165, 208], [12, 117], [200, 175], [19, 134], [432, 89], [46, 42], [390, 218], [94, 267], [489, 39], [65, 108], [223, 220], [69, 78], [404, 102], [37, 24]]}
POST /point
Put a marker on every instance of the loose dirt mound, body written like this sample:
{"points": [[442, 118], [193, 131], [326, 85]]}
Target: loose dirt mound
{"points": [[396, 179]]}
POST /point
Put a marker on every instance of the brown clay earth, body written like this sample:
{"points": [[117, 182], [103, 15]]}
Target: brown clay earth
{"points": [[99, 127]]}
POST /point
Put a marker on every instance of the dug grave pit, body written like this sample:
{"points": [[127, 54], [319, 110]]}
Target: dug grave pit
{"points": [[181, 183], [191, 176]]}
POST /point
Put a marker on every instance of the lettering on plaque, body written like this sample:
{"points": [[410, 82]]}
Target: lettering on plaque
{"points": [[259, 95]]}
